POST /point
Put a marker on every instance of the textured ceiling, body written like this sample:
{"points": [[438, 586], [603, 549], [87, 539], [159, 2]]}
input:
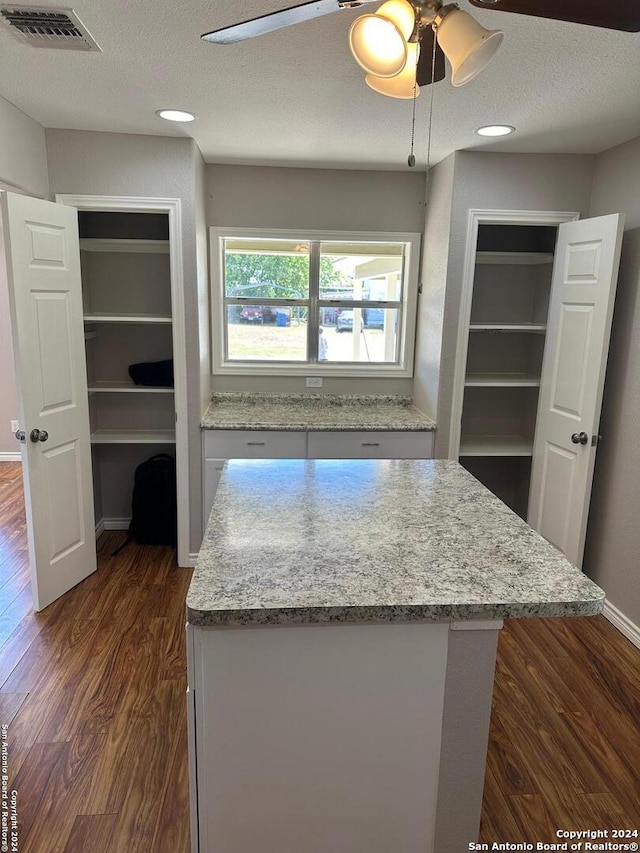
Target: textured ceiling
{"points": [[296, 97]]}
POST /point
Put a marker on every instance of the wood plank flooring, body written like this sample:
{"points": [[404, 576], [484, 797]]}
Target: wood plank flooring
{"points": [[92, 690]]}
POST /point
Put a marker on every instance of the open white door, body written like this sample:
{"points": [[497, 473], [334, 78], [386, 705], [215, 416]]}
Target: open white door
{"points": [[43, 265], [582, 295]]}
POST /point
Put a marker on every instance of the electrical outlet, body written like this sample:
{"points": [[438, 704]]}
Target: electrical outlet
{"points": [[314, 382], [15, 426]]}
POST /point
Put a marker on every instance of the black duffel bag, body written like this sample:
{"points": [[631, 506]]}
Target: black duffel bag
{"points": [[158, 373]]}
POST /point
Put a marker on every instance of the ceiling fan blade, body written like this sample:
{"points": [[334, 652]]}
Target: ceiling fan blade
{"points": [[425, 61], [619, 15], [278, 20]]}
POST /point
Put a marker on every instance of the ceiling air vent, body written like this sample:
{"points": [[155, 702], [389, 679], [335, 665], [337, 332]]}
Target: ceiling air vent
{"points": [[46, 27]]}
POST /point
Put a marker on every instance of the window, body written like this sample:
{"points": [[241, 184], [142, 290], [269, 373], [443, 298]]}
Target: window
{"points": [[327, 303]]}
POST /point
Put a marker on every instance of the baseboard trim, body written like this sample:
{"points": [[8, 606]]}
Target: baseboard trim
{"points": [[117, 523], [112, 524], [13, 456], [622, 622], [192, 559]]}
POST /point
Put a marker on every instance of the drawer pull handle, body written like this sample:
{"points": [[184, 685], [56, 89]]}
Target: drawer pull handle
{"points": [[371, 444], [255, 444]]}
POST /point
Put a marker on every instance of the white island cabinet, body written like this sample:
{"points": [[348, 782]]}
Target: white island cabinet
{"points": [[342, 626]]}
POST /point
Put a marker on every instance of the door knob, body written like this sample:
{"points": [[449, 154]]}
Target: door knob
{"points": [[20, 435], [38, 435], [580, 438]]}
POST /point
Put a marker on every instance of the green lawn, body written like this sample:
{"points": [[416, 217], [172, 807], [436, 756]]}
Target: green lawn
{"points": [[257, 341]]}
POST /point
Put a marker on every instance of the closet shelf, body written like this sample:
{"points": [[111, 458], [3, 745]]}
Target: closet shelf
{"points": [[149, 247], [519, 258], [126, 388], [133, 436], [126, 318], [507, 327], [495, 445], [501, 380]]}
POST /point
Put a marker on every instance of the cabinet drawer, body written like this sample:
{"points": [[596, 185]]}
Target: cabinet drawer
{"points": [[254, 444], [370, 445]]}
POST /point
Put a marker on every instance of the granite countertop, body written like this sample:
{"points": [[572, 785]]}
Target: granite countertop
{"points": [[314, 412], [312, 541]]}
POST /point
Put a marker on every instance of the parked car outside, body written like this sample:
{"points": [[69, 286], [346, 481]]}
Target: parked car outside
{"points": [[251, 314], [344, 322], [281, 316]]}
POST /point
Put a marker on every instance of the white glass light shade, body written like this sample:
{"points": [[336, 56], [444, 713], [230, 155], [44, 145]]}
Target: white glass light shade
{"points": [[467, 45], [378, 45], [403, 84], [401, 13]]}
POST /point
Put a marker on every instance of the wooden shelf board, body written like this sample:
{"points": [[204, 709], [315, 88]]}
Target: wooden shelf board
{"points": [[136, 436], [126, 318], [507, 327], [88, 244], [501, 380], [518, 258], [126, 388], [495, 445]]}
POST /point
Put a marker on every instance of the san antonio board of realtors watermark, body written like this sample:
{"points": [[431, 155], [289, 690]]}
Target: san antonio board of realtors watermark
{"points": [[8, 799], [584, 840]]}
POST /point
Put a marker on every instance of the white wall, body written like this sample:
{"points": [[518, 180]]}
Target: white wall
{"points": [[321, 199], [23, 165], [613, 538], [435, 262], [23, 158], [85, 162], [202, 251], [482, 180]]}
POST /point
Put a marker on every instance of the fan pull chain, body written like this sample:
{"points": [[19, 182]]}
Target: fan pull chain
{"points": [[433, 77], [426, 180], [411, 159]]}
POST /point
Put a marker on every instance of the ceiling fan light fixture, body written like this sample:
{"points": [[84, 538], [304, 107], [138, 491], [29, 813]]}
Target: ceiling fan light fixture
{"points": [[467, 45], [379, 42], [403, 85]]}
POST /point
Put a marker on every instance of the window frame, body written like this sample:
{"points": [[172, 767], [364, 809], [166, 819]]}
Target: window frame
{"points": [[407, 306]]}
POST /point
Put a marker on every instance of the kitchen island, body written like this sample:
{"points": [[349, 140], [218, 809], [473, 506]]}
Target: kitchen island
{"points": [[342, 629]]}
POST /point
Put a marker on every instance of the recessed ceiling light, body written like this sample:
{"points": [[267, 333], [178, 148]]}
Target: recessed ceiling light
{"points": [[175, 115], [495, 130]]}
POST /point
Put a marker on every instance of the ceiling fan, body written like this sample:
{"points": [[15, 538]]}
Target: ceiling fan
{"points": [[403, 45]]}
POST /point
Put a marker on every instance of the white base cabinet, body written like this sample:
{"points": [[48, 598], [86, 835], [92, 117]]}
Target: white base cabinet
{"points": [[221, 444], [338, 738]]}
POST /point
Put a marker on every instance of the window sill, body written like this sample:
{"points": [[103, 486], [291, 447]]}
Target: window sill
{"points": [[390, 371]]}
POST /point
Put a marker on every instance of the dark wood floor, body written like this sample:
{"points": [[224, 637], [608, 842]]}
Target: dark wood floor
{"points": [[93, 688]]}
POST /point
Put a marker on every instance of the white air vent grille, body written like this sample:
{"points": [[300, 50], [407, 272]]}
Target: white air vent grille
{"points": [[47, 27]]}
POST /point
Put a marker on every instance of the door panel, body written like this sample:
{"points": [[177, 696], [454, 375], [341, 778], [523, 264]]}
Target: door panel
{"points": [[582, 296], [60, 471], [43, 265], [54, 342], [558, 483], [569, 370]]}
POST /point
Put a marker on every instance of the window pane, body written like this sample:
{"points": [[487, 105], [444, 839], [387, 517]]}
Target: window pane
{"points": [[359, 335], [269, 269], [371, 271], [266, 333]]}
